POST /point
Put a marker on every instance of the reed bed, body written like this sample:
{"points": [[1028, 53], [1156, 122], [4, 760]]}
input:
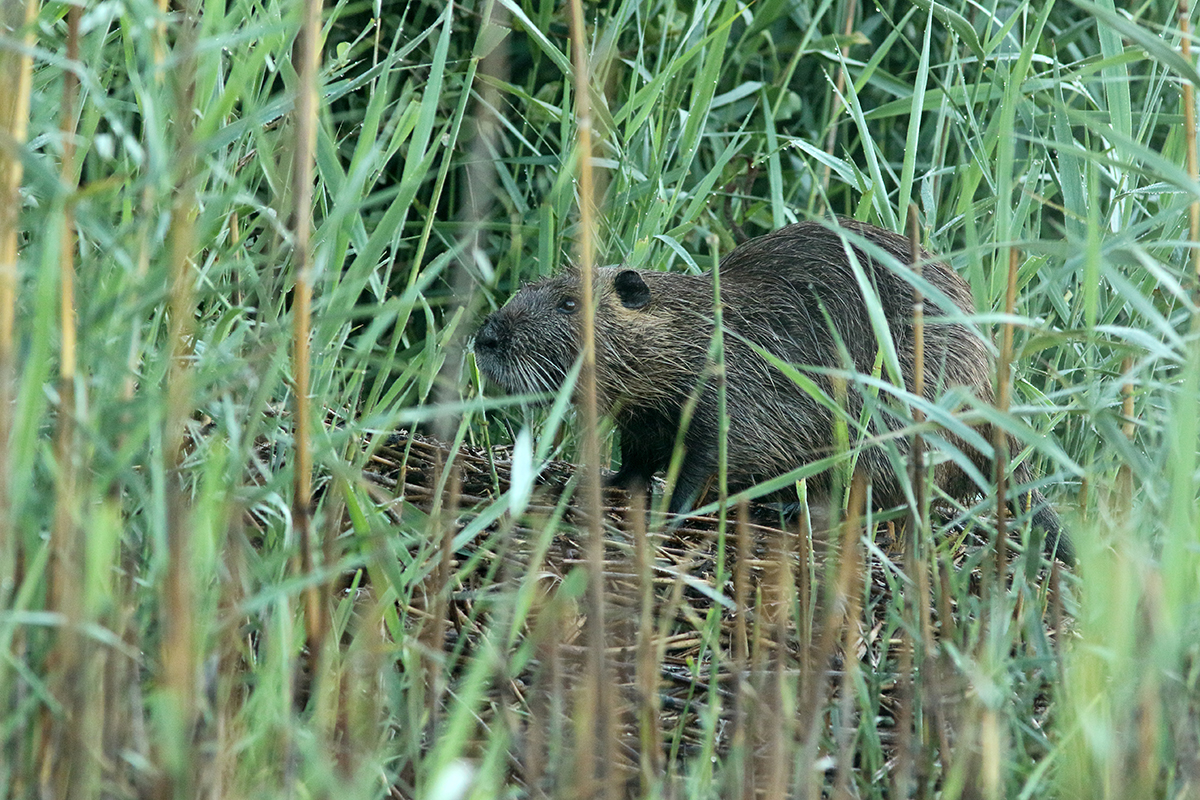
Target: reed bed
{"points": [[264, 530]]}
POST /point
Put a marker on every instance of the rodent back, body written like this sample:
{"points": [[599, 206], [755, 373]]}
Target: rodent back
{"points": [[796, 288], [792, 292]]}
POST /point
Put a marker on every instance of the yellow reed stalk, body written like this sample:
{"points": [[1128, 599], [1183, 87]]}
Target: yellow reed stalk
{"points": [[178, 603], [302, 180], [1189, 128], [66, 573], [999, 436], [831, 138], [914, 558], [595, 758], [63, 544], [843, 608], [16, 79]]}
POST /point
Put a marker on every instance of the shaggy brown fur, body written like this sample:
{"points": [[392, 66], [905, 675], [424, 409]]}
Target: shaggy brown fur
{"points": [[792, 293]]}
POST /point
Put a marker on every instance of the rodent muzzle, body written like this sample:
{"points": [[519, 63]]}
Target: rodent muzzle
{"points": [[487, 339], [492, 346]]}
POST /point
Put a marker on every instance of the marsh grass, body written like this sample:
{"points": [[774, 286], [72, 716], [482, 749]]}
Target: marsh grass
{"points": [[196, 332]]}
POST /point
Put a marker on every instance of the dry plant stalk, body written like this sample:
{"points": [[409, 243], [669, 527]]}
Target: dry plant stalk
{"points": [[1193, 167], [914, 558], [646, 671], [831, 139], [839, 614], [65, 755], [16, 78], [1124, 487], [920, 485], [778, 726], [918, 387], [441, 518], [999, 436], [149, 200], [63, 546], [742, 740], [309, 51], [594, 752], [178, 606]]}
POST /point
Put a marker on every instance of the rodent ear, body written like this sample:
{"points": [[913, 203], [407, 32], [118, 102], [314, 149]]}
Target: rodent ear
{"points": [[632, 290]]}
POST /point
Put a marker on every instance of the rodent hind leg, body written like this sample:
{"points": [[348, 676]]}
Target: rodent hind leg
{"points": [[638, 464], [629, 476], [695, 471]]}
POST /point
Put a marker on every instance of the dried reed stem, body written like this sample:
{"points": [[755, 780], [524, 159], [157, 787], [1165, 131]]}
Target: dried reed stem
{"points": [[741, 744], [779, 726], [62, 547], [920, 484], [991, 748], [1189, 129], [838, 614], [441, 519], [67, 759], [918, 387], [999, 436], [913, 552], [851, 638], [646, 676], [16, 76], [1124, 483], [595, 743], [1127, 423], [831, 138], [309, 54], [178, 607], [149, 201]]}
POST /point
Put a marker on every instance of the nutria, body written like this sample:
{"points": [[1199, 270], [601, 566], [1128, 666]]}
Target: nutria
{"points": [[793, 293]]}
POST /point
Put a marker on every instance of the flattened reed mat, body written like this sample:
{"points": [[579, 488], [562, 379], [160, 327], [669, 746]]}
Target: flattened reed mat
{"points": [[746, 637]]}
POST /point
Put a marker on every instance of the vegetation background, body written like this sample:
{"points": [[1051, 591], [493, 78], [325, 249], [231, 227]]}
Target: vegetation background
{"points": [[174, 623]]}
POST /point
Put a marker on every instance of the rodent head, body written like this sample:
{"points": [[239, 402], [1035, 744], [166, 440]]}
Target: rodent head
{"points": [[530, 344]]}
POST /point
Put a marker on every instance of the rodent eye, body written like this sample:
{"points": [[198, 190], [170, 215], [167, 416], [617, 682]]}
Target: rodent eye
{"points": [[567, 305]]}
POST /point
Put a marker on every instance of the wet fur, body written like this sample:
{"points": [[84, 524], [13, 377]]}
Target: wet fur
{"points": [[779, 292]]}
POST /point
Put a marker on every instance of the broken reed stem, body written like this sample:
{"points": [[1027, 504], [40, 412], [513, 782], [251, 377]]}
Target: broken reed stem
{"points": [[309, 51], [594, 754], [16, 78], [999, 436]]}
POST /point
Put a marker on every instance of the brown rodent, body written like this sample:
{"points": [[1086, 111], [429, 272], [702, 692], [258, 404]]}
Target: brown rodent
{"points": [[792, 293]]}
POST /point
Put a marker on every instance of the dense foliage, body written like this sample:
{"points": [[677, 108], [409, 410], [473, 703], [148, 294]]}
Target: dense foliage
{"points": [[154, 638]]}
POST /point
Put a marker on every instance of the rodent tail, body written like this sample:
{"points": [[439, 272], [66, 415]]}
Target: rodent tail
{"points": [[1058, 543]]}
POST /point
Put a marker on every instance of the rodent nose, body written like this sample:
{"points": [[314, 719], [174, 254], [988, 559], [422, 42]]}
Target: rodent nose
{"points": [[488, 337]]}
